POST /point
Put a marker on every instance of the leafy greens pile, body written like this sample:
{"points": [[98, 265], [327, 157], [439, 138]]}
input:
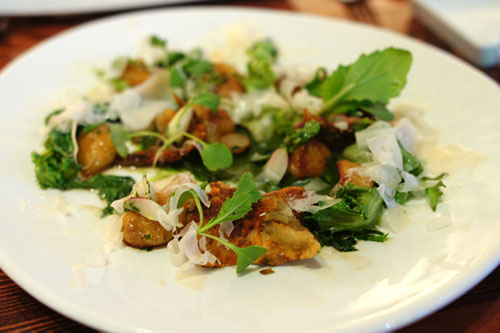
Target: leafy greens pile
{"points": [[359, 91], [57, 168]]}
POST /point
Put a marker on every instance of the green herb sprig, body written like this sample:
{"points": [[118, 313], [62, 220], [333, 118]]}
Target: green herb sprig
{"points": [[233, 209], [365, 85]]}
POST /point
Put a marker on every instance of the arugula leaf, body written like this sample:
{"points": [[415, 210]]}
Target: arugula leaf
{"points": [[198, 67], [246, 255], [233, 209], [262, 55], [434, 193], [314, 87], [178, 77], [301, 135], [216, 156], [208, 100], [119, 136], [375, 77], [410, 163], [378, 110], [239, 204]]}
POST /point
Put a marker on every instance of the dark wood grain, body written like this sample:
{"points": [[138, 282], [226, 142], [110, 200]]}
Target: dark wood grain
{"points": [[476, 311]]}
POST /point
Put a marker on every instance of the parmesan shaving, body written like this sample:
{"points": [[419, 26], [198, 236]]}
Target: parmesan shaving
{"points": [[225, 229], [309, 202], [187, 248]]}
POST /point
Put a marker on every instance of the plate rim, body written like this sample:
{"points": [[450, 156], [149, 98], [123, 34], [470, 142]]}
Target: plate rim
{"points": [[57, 303]]}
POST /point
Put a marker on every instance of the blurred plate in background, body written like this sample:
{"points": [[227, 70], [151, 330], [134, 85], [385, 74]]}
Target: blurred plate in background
{"points": [[472, 27], [65, 7]]}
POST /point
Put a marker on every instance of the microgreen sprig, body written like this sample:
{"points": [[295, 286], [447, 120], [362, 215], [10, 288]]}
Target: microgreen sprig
{"points": [[214, 155], [233, 209]]}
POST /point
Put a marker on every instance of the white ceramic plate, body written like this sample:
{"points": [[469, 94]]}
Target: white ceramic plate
{"points": [[65, 7], [383, 286]]}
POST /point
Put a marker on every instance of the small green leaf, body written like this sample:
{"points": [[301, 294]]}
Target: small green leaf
{"points": [[403, 197], [375, 78], [119, 136], [216, 156], [434, 193], [260, 72], [208, 100], [410, 162], [157, 41], [239, 204], [178, 78], [378, 110], [314, 87], [197, 68], [174, 57], [247, 255], [264, 50]]}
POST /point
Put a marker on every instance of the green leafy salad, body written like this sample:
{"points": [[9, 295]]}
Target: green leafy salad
{"points": [[263, 164]]}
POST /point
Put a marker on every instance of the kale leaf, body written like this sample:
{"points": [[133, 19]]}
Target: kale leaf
{"points": [[110, 188], [57, 168], [353, 218]]}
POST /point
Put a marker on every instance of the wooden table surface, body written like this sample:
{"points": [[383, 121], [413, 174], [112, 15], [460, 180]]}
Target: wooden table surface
{"points": [[476, 311]]}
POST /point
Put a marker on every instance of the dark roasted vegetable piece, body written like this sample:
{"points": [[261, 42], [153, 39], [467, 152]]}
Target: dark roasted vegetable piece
{"points": [[135, 73], [309, 160]]}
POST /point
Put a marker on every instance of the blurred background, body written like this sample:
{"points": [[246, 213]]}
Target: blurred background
{"points": [[469, 29]]}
